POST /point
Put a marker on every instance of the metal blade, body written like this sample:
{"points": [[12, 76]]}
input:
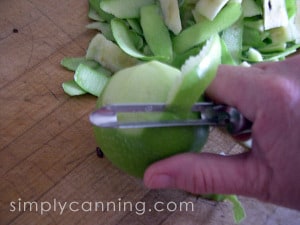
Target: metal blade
{"points": [[211, 115], [174, 123], [106, 116], [152, 107]]}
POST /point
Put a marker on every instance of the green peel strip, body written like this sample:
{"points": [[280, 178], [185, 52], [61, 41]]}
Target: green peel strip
{"points": [[103, 16], [197, 74], [238, 211], [125, 39], [71, 63], [124, 9], [72, 88], [200, 32], [153, 25], [90, 80]]}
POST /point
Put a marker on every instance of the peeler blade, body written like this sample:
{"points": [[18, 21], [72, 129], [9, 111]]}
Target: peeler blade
{"points": [[106, 116], [210, 115]]}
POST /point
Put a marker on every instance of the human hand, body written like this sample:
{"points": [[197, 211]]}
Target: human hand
{"points": [[268, 94]]}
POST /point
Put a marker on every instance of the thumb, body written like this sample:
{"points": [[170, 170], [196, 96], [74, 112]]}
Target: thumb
{"points": [[205, 174]]}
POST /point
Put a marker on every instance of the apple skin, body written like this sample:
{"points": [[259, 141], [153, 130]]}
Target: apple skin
{"points": [[134, 153]]}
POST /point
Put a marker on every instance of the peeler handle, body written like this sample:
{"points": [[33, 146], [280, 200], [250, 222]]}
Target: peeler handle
{"points": [[237, 124]]}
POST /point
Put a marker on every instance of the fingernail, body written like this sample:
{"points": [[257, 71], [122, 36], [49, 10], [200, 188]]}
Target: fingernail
{"points": [[160, 181]]}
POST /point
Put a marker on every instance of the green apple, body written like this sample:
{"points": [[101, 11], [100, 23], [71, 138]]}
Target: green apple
{"points": [[133, 150]]}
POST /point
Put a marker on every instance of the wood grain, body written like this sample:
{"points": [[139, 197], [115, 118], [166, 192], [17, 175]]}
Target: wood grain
{"points": [[47, 148]]}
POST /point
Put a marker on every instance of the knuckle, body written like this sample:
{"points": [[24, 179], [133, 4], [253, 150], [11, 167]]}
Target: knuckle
{"points": [[197, 182], [284, 90], [260, 176], [202, 181]]}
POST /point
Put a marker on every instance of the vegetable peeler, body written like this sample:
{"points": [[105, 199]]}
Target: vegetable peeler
{"points": [[210, 115]]}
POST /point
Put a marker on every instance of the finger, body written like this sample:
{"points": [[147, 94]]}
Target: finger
{"points": [[238, 86], [206, 174], [286, 67]]}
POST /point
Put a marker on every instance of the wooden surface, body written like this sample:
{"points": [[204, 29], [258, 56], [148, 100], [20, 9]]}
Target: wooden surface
{"points": [[47, 148]]}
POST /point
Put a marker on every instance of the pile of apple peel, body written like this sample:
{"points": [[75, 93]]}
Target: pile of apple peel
{"points": [[188, 38]]}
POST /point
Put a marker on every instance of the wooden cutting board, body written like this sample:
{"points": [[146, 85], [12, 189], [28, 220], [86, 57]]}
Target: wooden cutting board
{"points": [[47, 148]]}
